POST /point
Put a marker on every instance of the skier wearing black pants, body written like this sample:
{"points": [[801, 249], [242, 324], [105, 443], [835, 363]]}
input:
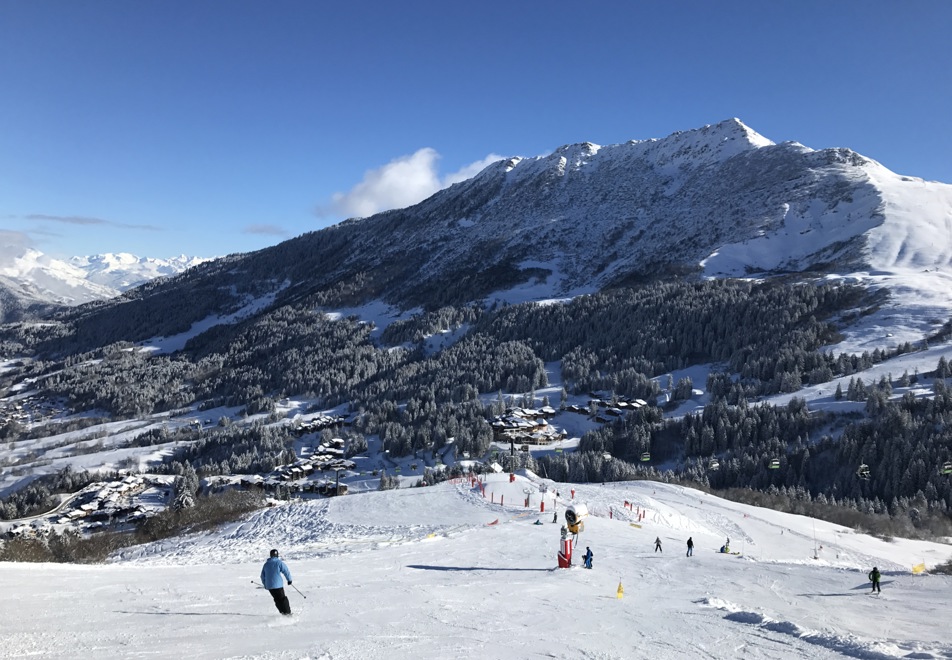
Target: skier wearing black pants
{"points": [[271, 574], [874, 577]]}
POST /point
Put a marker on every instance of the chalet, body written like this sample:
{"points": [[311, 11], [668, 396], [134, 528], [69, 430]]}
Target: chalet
{"points": [[319, 423], [524, 426]]}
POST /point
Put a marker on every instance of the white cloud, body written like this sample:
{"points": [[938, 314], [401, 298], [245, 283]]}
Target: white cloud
{"points": [[13, 244], [401, 182], [471, 170]]}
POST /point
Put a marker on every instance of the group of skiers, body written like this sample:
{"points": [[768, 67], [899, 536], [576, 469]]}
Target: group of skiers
{"points": [[657, 546], [587, 557], [874, 575], [274, 568]]}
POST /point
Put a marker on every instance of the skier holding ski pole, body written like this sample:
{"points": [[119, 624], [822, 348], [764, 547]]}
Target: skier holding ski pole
{"points": [[271, 574]]}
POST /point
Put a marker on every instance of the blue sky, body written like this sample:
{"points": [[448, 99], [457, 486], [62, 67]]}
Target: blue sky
{"points": [[206, 128]]}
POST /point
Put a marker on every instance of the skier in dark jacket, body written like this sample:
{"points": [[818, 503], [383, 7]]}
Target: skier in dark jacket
{"points": [[271, 574], [657, 544], [587, 557], [690, 546], [874, 577]]}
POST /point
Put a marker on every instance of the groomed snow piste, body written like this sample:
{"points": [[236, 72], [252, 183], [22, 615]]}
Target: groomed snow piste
{"points": [[443, 572]]}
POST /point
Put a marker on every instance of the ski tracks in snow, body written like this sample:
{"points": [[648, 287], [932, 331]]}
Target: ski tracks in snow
{"points": [[847, 645], [299, 529]]}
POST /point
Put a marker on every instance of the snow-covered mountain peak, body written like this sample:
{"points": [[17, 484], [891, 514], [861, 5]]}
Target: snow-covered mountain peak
{"points": [[37, 277], [682, 150], [731, 129], [722, 198], [108, 261], [700, 147], [580, 150], [123, 271]]}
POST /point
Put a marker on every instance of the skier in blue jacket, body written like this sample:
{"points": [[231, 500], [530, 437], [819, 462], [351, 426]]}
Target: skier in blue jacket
{"points": [[271, 579]]}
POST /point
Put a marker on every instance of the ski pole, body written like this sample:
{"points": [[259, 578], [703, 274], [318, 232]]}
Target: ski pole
{"points": [[299, 591]]}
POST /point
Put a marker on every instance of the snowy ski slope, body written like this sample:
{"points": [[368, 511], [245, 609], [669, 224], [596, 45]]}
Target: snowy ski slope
{"points": [[422, 573]]}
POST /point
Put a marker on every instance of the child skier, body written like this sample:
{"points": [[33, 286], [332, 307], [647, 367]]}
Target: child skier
{"points": [[657, 545], [874, 577], [587, 557]]}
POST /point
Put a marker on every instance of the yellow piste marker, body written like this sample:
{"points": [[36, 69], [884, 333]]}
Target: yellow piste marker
{"points": [[621, 591]]}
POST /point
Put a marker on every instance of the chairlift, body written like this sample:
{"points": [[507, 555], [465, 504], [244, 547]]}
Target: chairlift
{"points": [[946, 468], [774, 464], [646, 457], [713, 465], [607, 456], [863, 471]]}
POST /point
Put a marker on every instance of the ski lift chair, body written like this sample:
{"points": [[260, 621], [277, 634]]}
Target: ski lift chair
{"points": [[946, 468], [646, 457], [863, 471], [774, 464]]}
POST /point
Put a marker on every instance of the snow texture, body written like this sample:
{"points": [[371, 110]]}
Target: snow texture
{"points": [[424, 573]]}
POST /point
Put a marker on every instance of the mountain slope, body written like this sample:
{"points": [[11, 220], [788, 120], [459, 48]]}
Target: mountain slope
{"points": [[420, 573], [720, 200]]}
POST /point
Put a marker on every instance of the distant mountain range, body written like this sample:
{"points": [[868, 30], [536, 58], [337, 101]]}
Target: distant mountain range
{"points": [[30, 279]]}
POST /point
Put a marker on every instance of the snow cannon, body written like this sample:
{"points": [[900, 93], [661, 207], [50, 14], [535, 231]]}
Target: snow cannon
{"points": [[565, 550], [575, 516]]}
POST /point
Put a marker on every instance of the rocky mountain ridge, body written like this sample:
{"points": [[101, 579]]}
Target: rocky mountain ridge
{"points": [[717, 201]]}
